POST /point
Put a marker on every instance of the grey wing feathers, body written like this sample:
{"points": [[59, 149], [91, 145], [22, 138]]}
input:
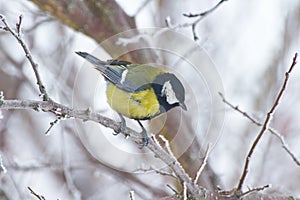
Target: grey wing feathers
{"points": [[118, 62], [112, 70]]}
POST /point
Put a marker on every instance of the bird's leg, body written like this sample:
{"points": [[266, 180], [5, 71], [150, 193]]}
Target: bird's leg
{"points": [[122, 125], [144, 135]]}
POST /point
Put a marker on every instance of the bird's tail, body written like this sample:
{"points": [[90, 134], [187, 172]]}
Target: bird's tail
{"points": [[92, 59]]}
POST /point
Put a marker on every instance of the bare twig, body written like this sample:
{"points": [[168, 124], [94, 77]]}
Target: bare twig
{"points": [[18, 25], [131, 195], [203, 164], [67, 172], [270, 129], [167, 145], [185, 192], [17, 35], [164, 173], [1, 96], [173, 189], [161, 172], [144, 4], [194, 24], [51, 125], [37, 24], [2, 166], [206, 12], [265, 127], [40, 197], [256, 189], [189, 183]]}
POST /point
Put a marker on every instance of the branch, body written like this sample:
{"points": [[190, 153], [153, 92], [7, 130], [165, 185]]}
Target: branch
{"points": [[39, 197], [131, 195], [100, 20], [34, 65], [270, 129], [194, 24], [97, 19], [206, 12], [265, 126], [63, 111], [144, 4], [2, 167], [67, 174], [256, 189], [203, 164]]}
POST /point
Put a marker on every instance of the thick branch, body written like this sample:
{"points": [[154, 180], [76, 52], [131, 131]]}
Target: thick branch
{"points": [[87, 115], [98, 19]]}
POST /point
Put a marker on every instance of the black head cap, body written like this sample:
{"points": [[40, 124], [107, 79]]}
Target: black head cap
{"points": [[169, 91]]}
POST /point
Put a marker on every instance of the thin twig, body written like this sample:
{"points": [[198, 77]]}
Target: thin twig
{"points": [[2, 166], [161, 172], [67, 172], [28, 54], [144, 4], [256, 189], [40, 197], [51, 126], [167, 145], [173, 189], [189, 183], [131, 195], [18, 25], [194, 24], [206, 12], [203, 164], [185, 192], [270, 129], [265, 126]]}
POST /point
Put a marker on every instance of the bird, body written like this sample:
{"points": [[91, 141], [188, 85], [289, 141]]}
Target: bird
{"points": [[138, 91]]}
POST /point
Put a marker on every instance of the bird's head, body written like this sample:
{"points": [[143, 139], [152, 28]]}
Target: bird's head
{"points": [[169, 91]]}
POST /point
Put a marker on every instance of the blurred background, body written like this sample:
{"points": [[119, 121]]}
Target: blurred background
{"points": [[244, 49]]}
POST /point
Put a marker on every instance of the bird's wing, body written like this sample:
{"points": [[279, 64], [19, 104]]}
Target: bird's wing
{"points": [[132, 77], [125, 75], [112, 70]]}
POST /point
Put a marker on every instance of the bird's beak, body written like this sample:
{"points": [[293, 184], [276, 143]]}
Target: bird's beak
{"points": [[183, 106]]}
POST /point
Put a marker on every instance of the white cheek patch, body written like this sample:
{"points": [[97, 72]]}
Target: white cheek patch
{"points": [[124, 74], [167, 90]]}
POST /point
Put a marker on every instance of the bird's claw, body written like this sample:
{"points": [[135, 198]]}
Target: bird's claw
{"points": [[121, 128], [145, 142]]}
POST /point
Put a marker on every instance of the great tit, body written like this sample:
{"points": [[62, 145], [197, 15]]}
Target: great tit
{"points": [[139, 92]]}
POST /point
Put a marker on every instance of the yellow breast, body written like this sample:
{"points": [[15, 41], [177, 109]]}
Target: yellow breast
{"points": [[138, 105]]}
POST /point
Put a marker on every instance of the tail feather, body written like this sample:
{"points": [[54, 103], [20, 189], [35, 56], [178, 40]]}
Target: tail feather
{"points": [[91, 58], [112, 73]]}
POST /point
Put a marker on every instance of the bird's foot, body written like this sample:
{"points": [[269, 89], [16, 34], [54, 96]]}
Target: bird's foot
{"points": [[120, 129], [122, 126], [145, 139], [145, 142]]}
